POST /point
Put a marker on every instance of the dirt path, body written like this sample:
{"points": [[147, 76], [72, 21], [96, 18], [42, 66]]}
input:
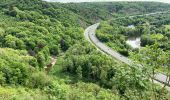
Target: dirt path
{"points": [[52, 63]]}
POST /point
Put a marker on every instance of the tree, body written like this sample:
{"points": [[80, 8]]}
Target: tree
{"points": [[64, 45], [41, 60], [147, 40], [2, 78], [54, 49], [10, 41], [79, 72], [153, 58], [12, 11], [2, 32]]}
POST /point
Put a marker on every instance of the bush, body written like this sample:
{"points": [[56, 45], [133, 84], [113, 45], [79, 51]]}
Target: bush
{"points": [[39, 80]]}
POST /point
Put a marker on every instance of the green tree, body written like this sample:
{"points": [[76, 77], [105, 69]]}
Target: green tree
{"points": [[41, 60], [79, 72]]}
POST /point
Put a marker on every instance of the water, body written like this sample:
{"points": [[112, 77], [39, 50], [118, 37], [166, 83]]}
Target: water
{"points": [[134, 42], [131, 26]]}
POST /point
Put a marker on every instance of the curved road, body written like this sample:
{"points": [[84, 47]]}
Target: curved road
{"points": [[91, 37]]}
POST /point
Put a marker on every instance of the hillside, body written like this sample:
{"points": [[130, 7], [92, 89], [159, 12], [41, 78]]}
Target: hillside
{"points": [[93, 12], [33, 31]]}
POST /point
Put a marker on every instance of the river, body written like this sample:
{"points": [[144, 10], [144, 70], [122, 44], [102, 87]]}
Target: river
{"points": [[134, 42]]}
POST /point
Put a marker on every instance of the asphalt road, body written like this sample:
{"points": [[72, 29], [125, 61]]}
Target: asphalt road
{"points": [[90, 36]]}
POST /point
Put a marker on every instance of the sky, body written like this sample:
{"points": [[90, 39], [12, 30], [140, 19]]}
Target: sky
{"points": [[165, 1]]}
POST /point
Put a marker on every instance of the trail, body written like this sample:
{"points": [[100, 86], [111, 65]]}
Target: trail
{"points": [[51, 65]]}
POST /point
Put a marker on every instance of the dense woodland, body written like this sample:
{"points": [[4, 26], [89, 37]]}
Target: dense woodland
{"points": [[34, 31]]}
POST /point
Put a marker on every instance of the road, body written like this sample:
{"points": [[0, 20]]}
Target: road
{"points": [[90, 36]]}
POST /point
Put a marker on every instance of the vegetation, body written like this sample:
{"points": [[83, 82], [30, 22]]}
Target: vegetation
{"points": [[94, 12], [152, 30], [34, 31]]}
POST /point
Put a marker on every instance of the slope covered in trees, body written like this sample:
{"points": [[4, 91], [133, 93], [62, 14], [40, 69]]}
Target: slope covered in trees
{"points": [[32, 31], [93, 12]]}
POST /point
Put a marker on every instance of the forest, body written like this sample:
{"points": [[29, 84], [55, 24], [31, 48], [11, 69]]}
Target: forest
{"points": [[34, 32]]}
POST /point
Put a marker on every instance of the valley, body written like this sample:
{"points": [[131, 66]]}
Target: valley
{"points": [[78, 51]]}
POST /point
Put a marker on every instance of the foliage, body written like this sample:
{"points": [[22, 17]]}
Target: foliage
{"points": [[15, 66], [32, 31]]}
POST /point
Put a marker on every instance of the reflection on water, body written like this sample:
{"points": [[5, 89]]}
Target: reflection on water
{"points": [[131, 26], [134, 42]]}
